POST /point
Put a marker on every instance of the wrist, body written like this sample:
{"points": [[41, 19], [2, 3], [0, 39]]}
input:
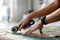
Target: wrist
{"points": [[43, 20]]}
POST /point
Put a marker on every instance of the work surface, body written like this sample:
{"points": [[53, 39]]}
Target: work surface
{"points": [[53, 29]]}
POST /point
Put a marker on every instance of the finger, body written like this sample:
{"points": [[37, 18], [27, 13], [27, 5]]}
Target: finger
{"points": [[21, 26], [26, 27], [40, 30], [20, 23], [31, 30]]}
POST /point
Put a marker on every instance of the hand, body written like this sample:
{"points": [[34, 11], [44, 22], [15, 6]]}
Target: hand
{"points": [[23, 22], [36, 26]]}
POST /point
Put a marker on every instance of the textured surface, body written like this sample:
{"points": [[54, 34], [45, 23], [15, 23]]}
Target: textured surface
{"points": [[52, 29]]}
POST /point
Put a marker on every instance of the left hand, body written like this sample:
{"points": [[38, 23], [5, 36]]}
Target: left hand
{"points": [[36, 26]]}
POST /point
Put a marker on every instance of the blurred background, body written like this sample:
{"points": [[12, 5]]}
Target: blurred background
{"points": [[15, 10]]}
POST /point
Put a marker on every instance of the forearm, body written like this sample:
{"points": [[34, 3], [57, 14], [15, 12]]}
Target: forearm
{"points": [[53, 17], [45, 11]]}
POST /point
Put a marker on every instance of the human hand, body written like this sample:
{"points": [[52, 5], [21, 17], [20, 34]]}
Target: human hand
{"points": [[36, 26], [23, 23]]}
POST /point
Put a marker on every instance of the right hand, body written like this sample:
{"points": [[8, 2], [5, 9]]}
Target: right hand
{"points": [[23, 22]]}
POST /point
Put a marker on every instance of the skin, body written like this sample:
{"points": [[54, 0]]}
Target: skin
{"points": [[52, 12]]}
